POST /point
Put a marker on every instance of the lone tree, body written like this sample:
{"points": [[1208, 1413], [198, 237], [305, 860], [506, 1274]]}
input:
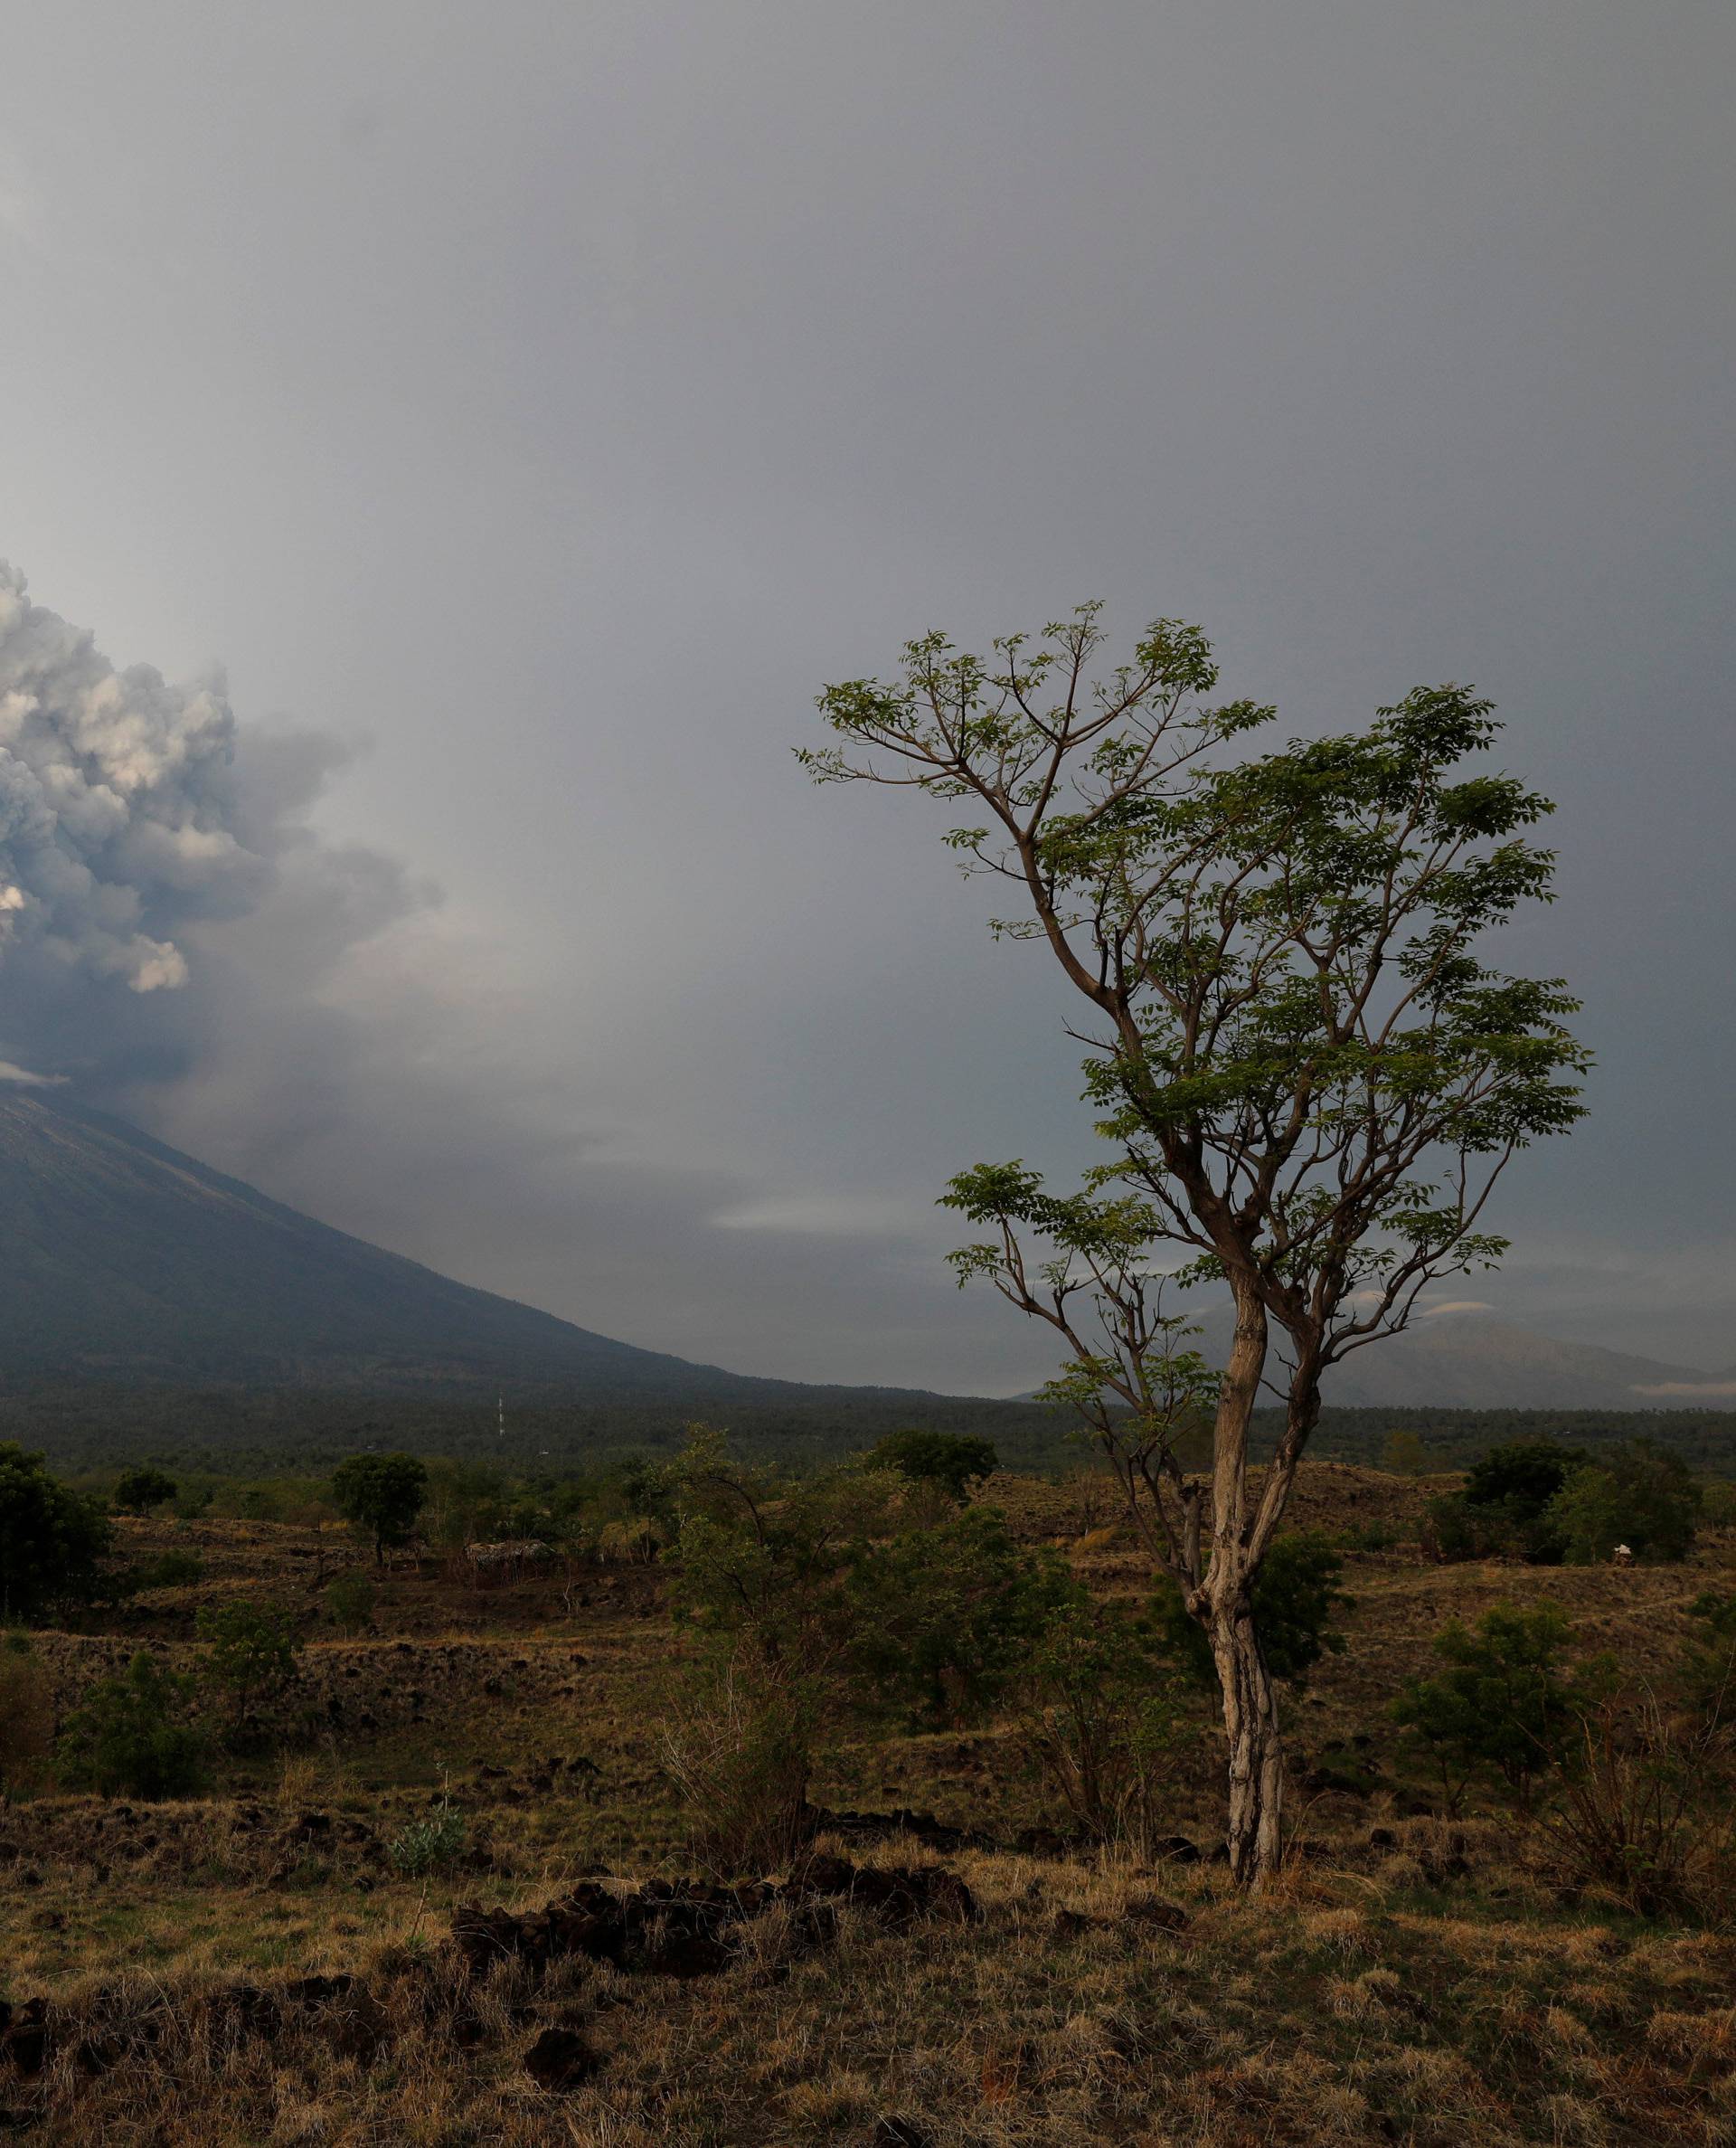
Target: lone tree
{"points": [[1310, 1075], [136, 1492], [381, 1495]]}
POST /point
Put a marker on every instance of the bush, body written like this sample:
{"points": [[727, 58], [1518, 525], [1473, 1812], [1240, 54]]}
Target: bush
{"points": [[954, 1461], [738, 1750], [251, 1655], [1504, 1508], [1503, 1704], [50, 1539], [941, 1620], [1103, 1718], [431, 1845], [168, 1570], [1633, 1496], [1709, 1665], [138, 1490], [133, 1734], [350, 1602], [26, 1715], [1295, 1598], [1641, 1811]]}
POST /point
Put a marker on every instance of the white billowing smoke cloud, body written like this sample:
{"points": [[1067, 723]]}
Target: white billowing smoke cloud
{"points": [[118, 796], [161, 889]]}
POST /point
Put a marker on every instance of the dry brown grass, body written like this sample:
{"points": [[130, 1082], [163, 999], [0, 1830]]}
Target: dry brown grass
{"points": [[1437, 1990]]}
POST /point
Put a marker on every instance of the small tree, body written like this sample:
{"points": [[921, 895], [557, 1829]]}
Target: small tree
{"points": [[940, 1620], [136, 1492], [135, 1734], [1104, 1717], [381, 1495], [956, 1462], [760, 1564], [1503, 1703], [1405, 1453], [251, 1654], [52, 1539], [1310, 1075]]}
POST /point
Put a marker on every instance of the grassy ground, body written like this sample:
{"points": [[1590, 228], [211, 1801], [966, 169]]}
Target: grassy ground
{"points": [[1412, 1979]]}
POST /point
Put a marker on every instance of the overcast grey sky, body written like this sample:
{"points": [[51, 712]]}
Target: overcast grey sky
{"points": [[545, 400]]}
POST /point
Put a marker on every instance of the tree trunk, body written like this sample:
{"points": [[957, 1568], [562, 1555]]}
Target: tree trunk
{"points": [[1255, 1748]]}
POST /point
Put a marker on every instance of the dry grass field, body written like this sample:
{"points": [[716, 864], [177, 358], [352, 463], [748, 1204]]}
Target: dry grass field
{"points": [[250, 1967]]}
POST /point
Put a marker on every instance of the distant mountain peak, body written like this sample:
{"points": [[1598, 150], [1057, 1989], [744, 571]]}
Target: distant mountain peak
{"points": [[126, 1259]]}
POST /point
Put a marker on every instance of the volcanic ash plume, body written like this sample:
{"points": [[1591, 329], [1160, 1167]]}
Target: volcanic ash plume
{"points": [[116, 793]]}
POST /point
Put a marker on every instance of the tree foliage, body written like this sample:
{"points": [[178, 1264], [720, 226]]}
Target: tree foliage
{"points": [[1635, 1495], [136, 1734], [941, 1621], [251, 1653], [381, 1495], [954, 1460], [52, 1538], [1308, 1072], [1503, 1704], [1506, 1509], [136, 1492], [1296, 1597]]}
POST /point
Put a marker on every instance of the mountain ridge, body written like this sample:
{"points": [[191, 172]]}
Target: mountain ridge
{"points": [[126, 1258], [128, 1261]]}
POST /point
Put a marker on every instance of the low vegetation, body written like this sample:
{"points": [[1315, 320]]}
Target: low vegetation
{"points": [[258, 1817]]}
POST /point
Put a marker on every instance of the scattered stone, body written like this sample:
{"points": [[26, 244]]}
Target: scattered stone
{"points": [[350, 2018], [25, 2043], [900, 2133], [692, 1929], [560, 2058], [1166, 1917]]}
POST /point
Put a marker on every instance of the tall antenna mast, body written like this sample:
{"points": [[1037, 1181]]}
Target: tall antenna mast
{"points": [[500, 1405]]}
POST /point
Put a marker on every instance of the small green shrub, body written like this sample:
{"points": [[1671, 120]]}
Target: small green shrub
{"points": [[1104, 1715], [168, 1570], [434, 1844], [350, 1602], [1709, 1664], [1504, 1704], [135, 1735]]}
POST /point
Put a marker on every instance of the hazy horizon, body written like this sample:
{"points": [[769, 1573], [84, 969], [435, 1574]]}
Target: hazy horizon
{"points": [[532, 409]]}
